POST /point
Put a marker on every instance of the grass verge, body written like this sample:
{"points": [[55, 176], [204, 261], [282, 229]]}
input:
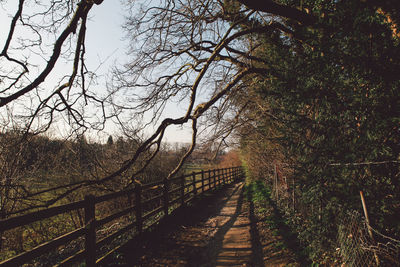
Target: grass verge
{"points": [[259, 194]]}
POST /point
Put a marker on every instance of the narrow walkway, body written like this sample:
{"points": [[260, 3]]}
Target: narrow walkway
{"points": [[231, 242], [220, 230], [236, 246]]}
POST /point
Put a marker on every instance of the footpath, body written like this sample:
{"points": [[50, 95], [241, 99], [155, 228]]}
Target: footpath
{"points": [[220, 230]]}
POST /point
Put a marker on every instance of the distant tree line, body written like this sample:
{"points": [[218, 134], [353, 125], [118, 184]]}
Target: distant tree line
{"points": [[37, 170]]}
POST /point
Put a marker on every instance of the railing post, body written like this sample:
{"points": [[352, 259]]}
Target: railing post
{"points": [[215, 179], [202, 181], [236, 171], [369, 226], [224, 176], [237, 174], [166, 199], [194, 183], [209, 180], [183, 190], [138, 208], [90, 235]]}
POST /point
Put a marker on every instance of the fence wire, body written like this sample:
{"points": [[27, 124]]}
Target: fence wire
{"points": [[357, 248]]}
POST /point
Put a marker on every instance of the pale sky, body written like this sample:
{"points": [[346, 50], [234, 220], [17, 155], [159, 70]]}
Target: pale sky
{"points": [[104, 44], [105, 36]]}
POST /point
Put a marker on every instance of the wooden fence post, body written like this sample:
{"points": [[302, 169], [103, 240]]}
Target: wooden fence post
{"points": [[215, 179], [369, 226], [209, 180], [138, 204], [90, 235], [194, 183], [183, 190], [166, 199], [202, 181]]}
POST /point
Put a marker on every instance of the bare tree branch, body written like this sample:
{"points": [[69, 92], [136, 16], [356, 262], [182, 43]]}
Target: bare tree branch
{"points": [[281, 10]]}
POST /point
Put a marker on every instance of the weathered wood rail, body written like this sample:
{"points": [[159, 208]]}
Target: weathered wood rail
{"points": [[148, 204]]}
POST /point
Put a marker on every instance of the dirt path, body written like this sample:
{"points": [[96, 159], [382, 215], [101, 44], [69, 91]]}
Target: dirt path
{"points": [[235, 245], [221, 230]]}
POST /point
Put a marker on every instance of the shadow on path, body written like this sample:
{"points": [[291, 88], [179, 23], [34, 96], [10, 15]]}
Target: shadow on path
{"points": [[219, 251], [220, 230], [183, 236], [236, 241]]}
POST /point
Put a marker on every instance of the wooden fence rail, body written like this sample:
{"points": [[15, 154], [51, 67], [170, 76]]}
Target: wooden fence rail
{"points": [[149, 203]]}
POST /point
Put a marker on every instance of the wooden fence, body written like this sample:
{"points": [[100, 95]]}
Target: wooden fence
{"points": [[148, 204]]}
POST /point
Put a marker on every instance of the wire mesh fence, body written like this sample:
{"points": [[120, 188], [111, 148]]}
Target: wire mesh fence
{"points": [[357, 243], [361, 245]]}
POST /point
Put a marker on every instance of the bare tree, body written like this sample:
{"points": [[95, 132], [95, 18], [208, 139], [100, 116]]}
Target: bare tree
{"points": [[194, 53], [197, 54], [40, 37]]}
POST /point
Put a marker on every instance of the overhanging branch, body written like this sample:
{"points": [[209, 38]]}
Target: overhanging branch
{"points": [[280, 10]]}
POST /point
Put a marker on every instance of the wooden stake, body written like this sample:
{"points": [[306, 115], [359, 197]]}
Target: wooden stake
{"points": [[90, 235], [138, 208], [368, 225]]}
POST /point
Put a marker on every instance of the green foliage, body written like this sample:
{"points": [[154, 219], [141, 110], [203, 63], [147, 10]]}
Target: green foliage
{"points": [[335, 100]]}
